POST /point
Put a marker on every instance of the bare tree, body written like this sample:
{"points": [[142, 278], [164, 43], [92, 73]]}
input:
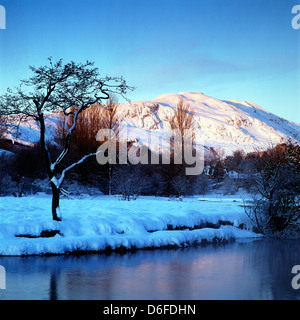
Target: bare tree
{"points": [[179, 185], [202, 184], [183, 117], [3, 126], [110, 121], [89, 122], [275, 208], [129, 182], [87, 125], [182, 122], [71, 87]]}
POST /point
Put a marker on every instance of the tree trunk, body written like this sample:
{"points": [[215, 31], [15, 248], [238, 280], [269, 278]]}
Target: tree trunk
{"points": [[109, 179], [22, 188], [55, 203]]}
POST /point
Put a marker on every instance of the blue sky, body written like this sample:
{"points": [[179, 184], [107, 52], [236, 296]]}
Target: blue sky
{"points": [[228, 49]]}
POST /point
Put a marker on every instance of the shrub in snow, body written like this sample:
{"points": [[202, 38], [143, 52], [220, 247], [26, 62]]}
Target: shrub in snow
{"points": [[129, 183], [8, 186], [275, 208], [229, 186]]}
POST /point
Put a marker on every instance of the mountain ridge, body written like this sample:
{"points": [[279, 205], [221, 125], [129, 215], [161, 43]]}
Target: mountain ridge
{"points": [[225, 125], [221, 124]]}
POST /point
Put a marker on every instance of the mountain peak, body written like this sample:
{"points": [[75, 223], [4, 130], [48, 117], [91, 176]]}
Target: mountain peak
{"points": [[227, 125], [186, 96]]}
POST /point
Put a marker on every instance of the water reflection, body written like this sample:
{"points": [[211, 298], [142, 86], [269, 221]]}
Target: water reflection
{"points": [[243, 270]]}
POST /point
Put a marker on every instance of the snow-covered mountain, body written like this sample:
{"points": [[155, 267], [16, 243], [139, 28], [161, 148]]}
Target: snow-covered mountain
{"points": [[223, 125]]}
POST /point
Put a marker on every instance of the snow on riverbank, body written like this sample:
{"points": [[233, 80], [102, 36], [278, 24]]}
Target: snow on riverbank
{"points": [[105, 222]]}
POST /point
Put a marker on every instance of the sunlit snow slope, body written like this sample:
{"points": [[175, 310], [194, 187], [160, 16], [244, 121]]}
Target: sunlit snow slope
{"points": [[224, 125]]}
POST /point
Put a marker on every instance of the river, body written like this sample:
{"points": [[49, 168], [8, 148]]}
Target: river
{"points": [[259, 269]]}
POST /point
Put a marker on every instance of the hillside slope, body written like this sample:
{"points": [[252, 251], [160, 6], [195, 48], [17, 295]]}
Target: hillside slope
{"points": [[223, 125]]}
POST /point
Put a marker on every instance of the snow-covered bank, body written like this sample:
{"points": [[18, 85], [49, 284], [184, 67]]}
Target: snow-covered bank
{"points": [[107, 223]]}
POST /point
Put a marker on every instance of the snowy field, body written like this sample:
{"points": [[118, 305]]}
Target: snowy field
{"points": [[106, 223]]}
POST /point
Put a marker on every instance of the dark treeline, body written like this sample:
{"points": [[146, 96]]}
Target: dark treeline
{"points": [[23, 172]]}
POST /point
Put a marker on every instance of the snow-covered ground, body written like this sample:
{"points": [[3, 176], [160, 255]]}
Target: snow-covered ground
{"points": [[105, 222]]}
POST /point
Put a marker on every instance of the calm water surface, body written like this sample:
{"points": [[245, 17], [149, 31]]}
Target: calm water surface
{"points": [[258, 269]]}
